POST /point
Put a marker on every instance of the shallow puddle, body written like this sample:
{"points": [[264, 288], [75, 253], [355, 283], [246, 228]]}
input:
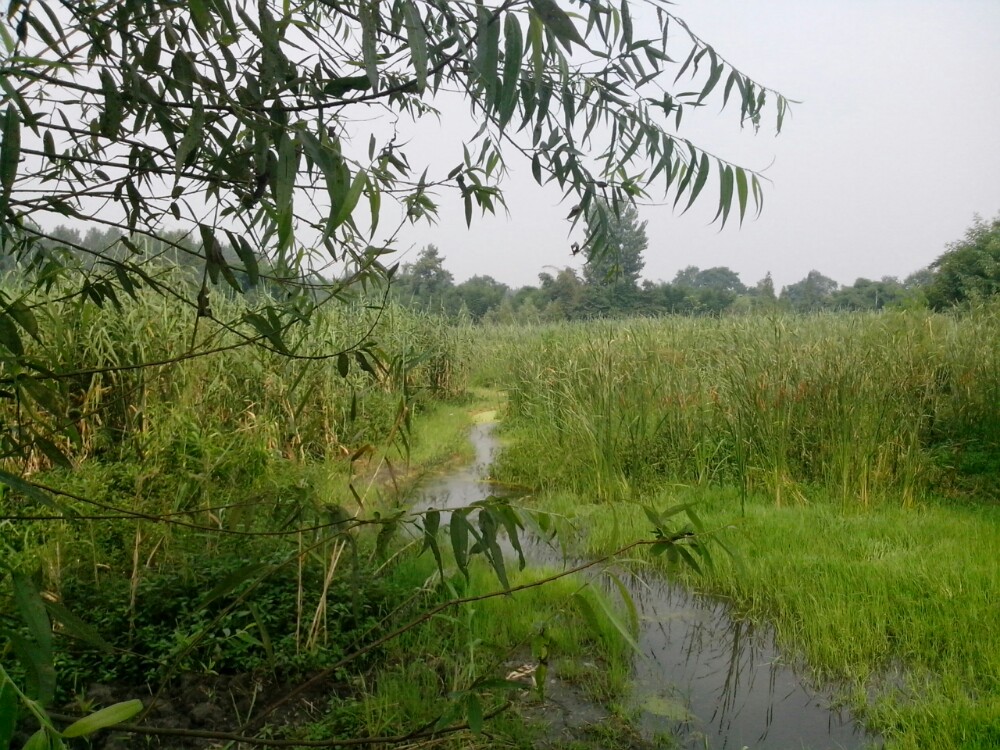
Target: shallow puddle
{"points": [[707, 680]]}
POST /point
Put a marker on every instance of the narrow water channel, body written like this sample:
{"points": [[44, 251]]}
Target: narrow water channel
{"points": [[708, 680]]}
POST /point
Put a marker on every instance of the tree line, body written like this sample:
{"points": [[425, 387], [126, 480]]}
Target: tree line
{"points": [[610, 285]]}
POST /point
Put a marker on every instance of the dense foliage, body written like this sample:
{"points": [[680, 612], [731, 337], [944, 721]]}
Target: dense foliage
{"points": [[970, 270]]}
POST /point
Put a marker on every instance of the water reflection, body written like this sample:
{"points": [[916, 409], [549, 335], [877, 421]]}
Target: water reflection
{"points": [[468, 484], [729, 677], [707, 680]]}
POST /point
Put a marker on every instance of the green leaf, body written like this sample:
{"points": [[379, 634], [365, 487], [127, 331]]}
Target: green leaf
{"points": [[32, 492], [536, 34], [32, 610], [247, 256], [75, 627], [52, 451], [350, 202], [713, 77], [35, 651], [40, 740], [9, 336], [192, 137], [385, 535], [688, 558], [114, 106], [512, 62], [40, 673], [558, 22], [474, 713], [742, 191], [266, 329], [491, 549], [10, 156], [364, 364], [700, 180], [488, 53], [725, 193], [653, 516], [288, 167], [626, 16], [8, 713], [455, 709], [337, 87], [369, 38], [150, 58], [432, 521], [595, 608], [201, 17], [106, 717], [627, 600], [511, 524], [417, 39], [374, 203], [458, 529], [734, 77], [215, 260]]}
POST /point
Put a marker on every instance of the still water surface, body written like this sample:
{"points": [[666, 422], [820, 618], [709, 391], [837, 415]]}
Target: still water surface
{"points": [[708, 680]]}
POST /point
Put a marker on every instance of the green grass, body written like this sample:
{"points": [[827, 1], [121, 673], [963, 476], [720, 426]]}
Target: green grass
{"points": [[897, 606], [870, 407], [462, 652], [850, 460]]}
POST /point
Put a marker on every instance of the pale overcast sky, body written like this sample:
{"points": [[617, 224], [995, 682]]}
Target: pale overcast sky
{"points": [[893, 149]]}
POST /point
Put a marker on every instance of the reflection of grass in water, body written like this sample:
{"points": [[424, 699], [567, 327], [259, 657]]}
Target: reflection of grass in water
{"points": [[910, 592]]}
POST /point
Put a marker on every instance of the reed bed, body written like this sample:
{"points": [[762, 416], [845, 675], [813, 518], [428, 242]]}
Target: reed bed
{"points": [[151, 450], [861, 408], [116, 404]]}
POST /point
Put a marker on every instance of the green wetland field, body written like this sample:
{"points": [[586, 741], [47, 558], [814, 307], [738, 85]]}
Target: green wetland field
{"points": [[232, 541]]}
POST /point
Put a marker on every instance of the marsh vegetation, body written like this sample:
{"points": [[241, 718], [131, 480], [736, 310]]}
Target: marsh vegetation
{"points": [[236, 534]]}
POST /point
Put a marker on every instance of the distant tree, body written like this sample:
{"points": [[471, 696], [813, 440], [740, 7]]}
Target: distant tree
{"points": [[814, 292], [763, 290], [710, 291], [866, 294], [919, 279], [663, 297], [562, 295], [720, 279], [480, 294], [612, 273], [970, 269], [718, 289], [687, 277], [426, 282]]}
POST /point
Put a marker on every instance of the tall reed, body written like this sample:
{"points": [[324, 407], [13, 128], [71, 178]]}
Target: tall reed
{"points": [[860, 405]]}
